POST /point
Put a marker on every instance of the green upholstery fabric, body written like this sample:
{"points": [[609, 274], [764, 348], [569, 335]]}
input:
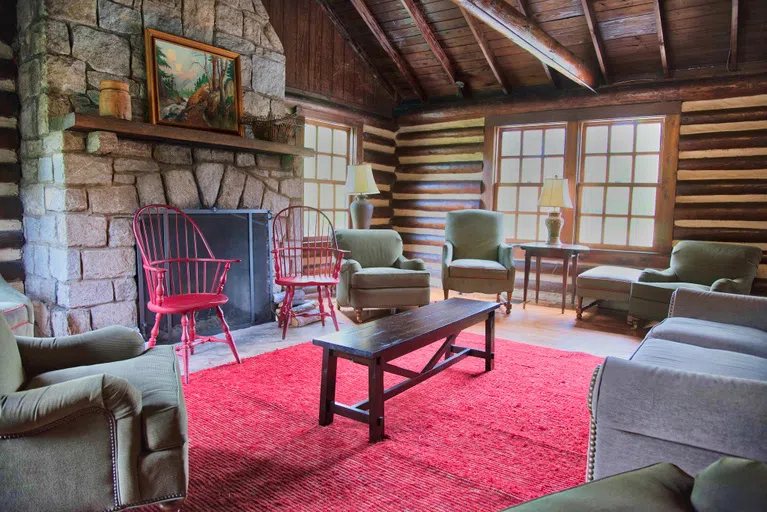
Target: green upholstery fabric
{"points": [[376, 275], [606, 280], [371, 247], [475, 257], [731, 484], [11, 370], [659, 488], [661, 292], [21, 320], [154, 375]]}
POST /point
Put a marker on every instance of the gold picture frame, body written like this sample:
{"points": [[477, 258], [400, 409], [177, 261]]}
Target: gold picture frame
{"points": [[193, 85]]}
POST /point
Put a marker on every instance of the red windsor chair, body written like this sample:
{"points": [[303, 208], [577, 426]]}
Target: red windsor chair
{"points": [[305, 254], [182, 274]]}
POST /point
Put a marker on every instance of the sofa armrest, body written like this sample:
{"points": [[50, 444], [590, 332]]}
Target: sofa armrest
{"points": [[741, 285], [714, 412], [406, 264], [24, 412], [349, 267], [105, 345], [506, 255], [650, 275], [726, 308]]}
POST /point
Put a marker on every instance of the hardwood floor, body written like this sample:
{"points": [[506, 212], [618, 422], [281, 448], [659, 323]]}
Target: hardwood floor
{"points": [[601, 332]]}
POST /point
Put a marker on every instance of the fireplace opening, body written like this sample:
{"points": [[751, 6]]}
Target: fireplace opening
{"points": [[231, 234]]}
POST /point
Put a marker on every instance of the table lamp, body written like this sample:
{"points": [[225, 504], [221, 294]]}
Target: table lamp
{"points": [[360, 183], [555, 194]]}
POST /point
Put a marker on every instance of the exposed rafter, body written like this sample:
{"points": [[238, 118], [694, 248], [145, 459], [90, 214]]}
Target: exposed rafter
{"points": [[596, 37], [388, 87], [431, 39], [383, 40], [523, 9], [508, 21], [733, 64], [661, 38], [486, 50]]}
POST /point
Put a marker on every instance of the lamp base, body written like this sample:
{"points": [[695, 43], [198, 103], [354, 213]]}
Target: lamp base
{"points": [[361, 211], [554, 223]]}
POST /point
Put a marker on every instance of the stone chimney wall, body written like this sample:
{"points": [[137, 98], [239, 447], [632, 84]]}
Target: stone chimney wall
{"points": [[80, 192]]}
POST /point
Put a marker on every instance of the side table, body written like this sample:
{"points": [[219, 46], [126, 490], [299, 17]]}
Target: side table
{"points": [[564, 252]]}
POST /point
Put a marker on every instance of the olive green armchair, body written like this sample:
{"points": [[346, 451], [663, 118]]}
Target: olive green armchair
{"points": [[375, 274], [475, 258], [90, 422], [707, 266]]}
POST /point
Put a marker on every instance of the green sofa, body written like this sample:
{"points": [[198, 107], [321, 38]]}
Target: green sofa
{"points": [[375, 274], [90, 422], [475, 257], [730, 484], [706, 266]]}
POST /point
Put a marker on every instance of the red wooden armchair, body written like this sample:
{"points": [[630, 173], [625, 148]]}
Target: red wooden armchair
{"points": [[182, 275], [305, 254]]}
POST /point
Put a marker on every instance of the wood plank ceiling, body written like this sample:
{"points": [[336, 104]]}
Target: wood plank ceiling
{"points": [[620, 38]]}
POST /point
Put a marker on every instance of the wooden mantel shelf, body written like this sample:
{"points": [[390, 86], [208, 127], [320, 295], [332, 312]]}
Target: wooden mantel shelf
{"points": [[138, 130]]}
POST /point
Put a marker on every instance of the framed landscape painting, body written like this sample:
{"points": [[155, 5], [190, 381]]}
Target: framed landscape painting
{"points": [[192, 85]]}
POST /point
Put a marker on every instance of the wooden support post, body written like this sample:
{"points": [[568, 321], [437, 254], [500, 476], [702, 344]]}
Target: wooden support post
{"points": [[733, 64], [661, 38], [476, 29], [596, 37], [430, 38]]}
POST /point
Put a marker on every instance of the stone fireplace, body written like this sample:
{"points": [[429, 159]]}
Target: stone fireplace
{"points": [[80, 191]]}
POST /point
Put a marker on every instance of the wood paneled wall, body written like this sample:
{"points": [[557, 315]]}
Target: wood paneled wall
{"points": [[11, 234], [319, 62], [722, 177]]}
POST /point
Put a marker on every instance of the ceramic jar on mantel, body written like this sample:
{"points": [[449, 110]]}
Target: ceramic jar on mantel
{"points": [[114, 99]]}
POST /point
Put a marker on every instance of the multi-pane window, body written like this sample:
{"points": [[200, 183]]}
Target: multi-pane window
{"points": [[325, 173], [527, 155], [619, 176]]}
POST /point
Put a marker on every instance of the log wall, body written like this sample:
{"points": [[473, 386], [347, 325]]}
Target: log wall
{"points": [[722, 174], [379, 150]]}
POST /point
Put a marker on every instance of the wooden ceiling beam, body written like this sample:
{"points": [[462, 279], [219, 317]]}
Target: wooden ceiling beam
{"points": [[508, 21], [596, 37], [387, 85], [661, 38], [423, 26], [526, 13], [383, 40], [486, 50], [733, 64]]}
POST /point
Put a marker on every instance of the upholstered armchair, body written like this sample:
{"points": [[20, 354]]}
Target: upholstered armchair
{"points": [[707, 266], [90, 422], [375, 274], [17, 309], [475, 258]]}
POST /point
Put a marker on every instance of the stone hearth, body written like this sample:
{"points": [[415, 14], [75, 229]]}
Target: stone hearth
{"points": [[80, 192]]}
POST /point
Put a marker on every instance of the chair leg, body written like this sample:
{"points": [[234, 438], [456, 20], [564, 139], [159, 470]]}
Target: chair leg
{"points": [[185, 346], [227, 333], [155, 331], [579, 309], [330, 305], [358, 315], [508, 303], [447, 293], [172, 506], [287, 305], [192, 333], [322, 306]]}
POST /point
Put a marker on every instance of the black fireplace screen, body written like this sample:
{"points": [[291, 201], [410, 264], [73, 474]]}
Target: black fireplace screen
{"points": [[231, 234]]}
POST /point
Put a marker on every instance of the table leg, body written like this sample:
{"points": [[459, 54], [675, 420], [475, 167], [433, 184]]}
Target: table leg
{"points": [[490, 341], [537, 277], [565, 268], [528, 257], [328, 386], [376, 397], [575, 275]]}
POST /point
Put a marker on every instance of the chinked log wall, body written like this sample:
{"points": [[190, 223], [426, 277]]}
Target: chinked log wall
{"points": [[722, 176], [378, 150]]}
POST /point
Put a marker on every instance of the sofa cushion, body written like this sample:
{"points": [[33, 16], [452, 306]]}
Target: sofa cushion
{"points": [[731, 484], [661, 292], [707, 334], [11, 370], [384, 277], [478, 269], [661, 487], [155, 374], [608, 278], [683, 357]]}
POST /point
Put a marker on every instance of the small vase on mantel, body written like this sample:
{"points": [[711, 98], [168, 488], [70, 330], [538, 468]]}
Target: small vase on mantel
{"points": [[114, 99]]}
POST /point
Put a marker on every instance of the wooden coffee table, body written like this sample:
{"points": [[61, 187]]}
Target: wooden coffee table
{"points": [[376, 344]]}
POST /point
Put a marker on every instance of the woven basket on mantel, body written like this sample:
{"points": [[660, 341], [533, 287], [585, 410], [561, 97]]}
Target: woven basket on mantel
{"points": [[274, 129]]}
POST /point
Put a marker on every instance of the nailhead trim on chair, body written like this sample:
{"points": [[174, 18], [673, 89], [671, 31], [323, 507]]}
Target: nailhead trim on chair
{"points": [[592, 428]]}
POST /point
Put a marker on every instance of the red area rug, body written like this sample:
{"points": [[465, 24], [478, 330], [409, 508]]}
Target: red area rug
{"points": [[464, 440]]}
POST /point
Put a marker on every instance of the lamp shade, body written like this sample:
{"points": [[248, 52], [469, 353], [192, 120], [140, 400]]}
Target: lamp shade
{"points": [[555, 193], [359, 180]]}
